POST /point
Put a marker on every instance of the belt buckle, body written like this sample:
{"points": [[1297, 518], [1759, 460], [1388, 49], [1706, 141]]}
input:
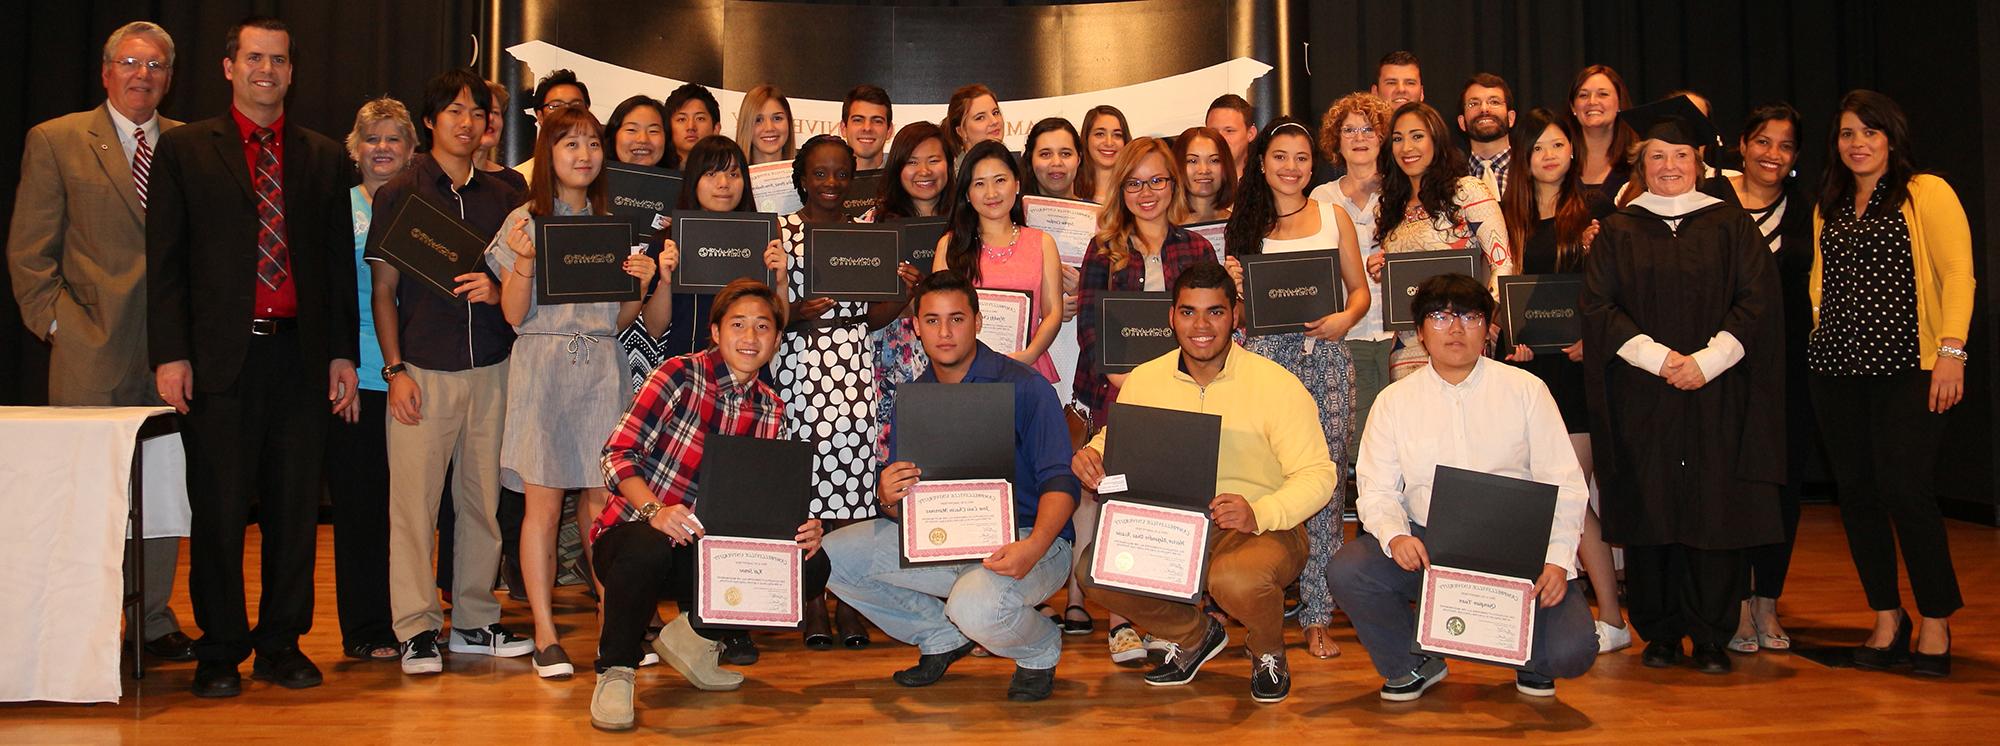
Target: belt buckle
{"points": [[263, 327]]}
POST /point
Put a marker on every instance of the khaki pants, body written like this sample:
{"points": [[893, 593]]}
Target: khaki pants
{"points": [[1247, 575], [463, 413]]}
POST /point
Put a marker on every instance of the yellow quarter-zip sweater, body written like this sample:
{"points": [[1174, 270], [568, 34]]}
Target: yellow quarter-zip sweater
{"points": [[1272, 450]]}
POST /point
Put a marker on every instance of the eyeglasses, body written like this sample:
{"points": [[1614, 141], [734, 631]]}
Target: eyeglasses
{"points": [[129, 63], [559, 105], [1357, 132], [1157, 183], [1442, 319]]}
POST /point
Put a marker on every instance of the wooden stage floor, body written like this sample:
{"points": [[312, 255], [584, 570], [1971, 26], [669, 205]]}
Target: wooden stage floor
{"points": [[797, 696]]}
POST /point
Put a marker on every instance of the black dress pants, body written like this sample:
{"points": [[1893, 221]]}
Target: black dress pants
{"points": [[260, 441], [360, 487], [638, 566], [1676, 591], [1882, 441]]}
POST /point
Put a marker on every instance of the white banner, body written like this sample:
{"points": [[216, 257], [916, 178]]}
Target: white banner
{"points": [[1160, 107]]}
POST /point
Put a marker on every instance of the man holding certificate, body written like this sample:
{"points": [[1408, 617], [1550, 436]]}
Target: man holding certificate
{"points": [[947, 609], [644, 540], [1272, 473], [1476, 414]]}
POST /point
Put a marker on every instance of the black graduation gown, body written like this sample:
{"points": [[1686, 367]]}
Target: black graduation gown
{"points": [[1700, 468]]}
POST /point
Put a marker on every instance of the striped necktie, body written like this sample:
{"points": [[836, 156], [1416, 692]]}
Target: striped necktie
{"points": [[273, 261], [142, 164]]}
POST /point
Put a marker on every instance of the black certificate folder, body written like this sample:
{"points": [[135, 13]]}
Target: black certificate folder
{"points": [[581, 259], [920, 240], [753, 487], [1540, 311], [956, 430], [1132, 328], [854, 262], [1167, 456], [1489, 523], [642, 195], [1284, 291], [718, 248], [425, 241], [1402, 273]]}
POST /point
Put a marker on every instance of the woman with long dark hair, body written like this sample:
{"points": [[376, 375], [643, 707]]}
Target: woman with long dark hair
{"points": [[1208, 175], [1424, 182], [715, 177], [1051, 161], [638, 135], [1594, 102], [1104, 134], [990, 245], [1892, 292], [1552, 219], [1273, 215]]}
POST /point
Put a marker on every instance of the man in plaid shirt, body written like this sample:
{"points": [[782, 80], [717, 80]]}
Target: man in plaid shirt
{"points": [[644, 540]]}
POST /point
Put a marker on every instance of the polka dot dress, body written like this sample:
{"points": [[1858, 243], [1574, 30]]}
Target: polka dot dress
{"points": [[1868, 295], [826, 377]]}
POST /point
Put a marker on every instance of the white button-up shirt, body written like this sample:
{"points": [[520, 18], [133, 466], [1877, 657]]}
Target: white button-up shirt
{"points": [[125, 136], [1499, 420]]}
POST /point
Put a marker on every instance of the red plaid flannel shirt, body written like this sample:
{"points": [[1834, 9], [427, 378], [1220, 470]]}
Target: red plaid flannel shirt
{"points": [[660, 438]]}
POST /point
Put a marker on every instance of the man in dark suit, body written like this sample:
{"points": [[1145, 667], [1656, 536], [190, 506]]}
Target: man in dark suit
{"points": [[78, 252], [253, 336]]}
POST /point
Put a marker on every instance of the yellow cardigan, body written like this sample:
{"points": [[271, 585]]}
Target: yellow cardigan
{"points": [[1272, 452], [1941, 254]]}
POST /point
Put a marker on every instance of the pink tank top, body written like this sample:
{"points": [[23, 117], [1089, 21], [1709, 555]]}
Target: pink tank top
{"points": [[1020, 271]]}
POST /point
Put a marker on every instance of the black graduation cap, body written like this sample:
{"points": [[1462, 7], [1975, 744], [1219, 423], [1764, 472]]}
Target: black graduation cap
{"points": [[1674, 120]]}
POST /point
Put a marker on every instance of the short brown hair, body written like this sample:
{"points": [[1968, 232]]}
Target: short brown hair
{"points": [[744, 287], [266, 23]]}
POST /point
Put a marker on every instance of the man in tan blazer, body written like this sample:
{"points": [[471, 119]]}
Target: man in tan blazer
{"points": [[77, 251]]}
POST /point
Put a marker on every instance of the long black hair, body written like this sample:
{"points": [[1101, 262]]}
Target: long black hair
{"points": [[712, 154], [1517, 203], [962, 252], [1255, 213], [893, 201], [1877, 112], [1447, 167], [1032, 186]]}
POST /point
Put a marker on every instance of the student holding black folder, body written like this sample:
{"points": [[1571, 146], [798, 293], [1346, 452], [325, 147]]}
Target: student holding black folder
{"points": [[571, 383], [921, 170], [1468, 412], [716, 177], [1272, 474], [948, 609], [645, 537]]}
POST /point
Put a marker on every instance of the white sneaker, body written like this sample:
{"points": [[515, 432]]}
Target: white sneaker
{"points": [[493, 640], [420, 654], [1612, 639]]}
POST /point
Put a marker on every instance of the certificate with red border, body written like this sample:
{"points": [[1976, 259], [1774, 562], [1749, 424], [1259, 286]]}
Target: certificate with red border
{"points": [[953, 520], [1071, 222], [1476, 615], [749, 582], [1005, 318], [1149, 549]]}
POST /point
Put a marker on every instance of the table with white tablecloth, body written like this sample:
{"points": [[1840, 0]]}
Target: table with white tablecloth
{"points": [[65, 489]]}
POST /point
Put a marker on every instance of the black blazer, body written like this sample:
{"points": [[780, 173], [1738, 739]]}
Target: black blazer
{"points": [[201, 250]]}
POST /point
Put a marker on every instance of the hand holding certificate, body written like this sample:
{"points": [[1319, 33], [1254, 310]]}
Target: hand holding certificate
{"points": [[581, 259], [751, 505], [1282, 292], [855, 262], [1487, 539], [426, 241], [1132, 328], [1540, 311], [1477, 615], [1152, 536], [960, 438], [716, 248], [1071, 222], [642, 194], [1403, 272]]}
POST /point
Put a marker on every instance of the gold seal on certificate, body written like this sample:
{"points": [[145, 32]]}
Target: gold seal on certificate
{"points": [[749, 582], [1005, 316], [1152, 550], [1476, 615], [954, 520]]}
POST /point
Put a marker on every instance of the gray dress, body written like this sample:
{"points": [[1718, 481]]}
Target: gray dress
{"points": [[566, 386]]}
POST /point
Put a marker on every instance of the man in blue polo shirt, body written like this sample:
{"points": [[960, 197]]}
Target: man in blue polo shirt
{"points": [[945, 610]]}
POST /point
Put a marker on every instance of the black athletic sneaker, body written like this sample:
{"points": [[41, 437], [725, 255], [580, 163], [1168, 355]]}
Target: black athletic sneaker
{"points": [[1270, 678], [1031, 684], [738, 649], [931, 666], [1534, 684], [1412, 685], [1181, 664], [420, 654]]}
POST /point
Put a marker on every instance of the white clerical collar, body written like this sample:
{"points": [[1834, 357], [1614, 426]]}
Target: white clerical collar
{"points": [[1672, 208]]}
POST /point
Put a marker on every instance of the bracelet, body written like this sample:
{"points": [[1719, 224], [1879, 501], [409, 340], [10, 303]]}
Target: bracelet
{"points": [[1949, 351], [516, 270]]}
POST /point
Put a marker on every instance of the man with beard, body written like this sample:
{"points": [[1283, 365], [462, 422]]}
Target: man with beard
{"points": [[1486, 113]]}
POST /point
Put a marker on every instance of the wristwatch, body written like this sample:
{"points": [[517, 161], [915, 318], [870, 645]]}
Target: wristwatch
{"points": [[647, 511], [390, 371]]}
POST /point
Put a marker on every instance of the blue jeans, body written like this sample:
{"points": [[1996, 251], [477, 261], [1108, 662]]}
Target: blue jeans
{"points": [[939, 607]]}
